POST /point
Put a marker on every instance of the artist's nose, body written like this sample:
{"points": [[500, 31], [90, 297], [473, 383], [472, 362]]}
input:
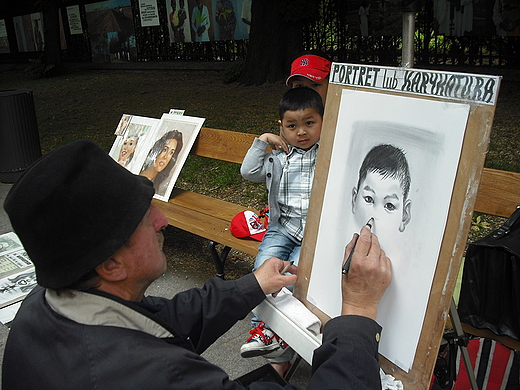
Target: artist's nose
{"points": [[159, 220]]}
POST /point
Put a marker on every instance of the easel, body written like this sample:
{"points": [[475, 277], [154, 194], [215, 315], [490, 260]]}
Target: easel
{"points": [[461, 341], [392, 81]]}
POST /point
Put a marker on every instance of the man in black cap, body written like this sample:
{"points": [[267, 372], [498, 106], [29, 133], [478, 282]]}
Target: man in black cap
{"points": [[95, 239]]}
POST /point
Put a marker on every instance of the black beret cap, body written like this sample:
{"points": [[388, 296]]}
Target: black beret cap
{"points": [[74, 208]]}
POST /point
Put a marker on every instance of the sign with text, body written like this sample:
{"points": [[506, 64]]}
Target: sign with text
{"points": [[460, 86], [74, 17], [149, 13]]}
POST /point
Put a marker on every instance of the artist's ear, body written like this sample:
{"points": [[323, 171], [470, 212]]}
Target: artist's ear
{"points": [[113, 269], [407, 215], [354, 197]]}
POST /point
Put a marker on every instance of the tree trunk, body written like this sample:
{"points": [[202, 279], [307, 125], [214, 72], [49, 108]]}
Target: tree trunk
{"points": [[51, 25], [273, 44]]}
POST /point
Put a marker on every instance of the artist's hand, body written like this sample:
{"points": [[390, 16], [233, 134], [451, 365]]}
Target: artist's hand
{"points": [[275, 141], [269, 277], [369, 275]]}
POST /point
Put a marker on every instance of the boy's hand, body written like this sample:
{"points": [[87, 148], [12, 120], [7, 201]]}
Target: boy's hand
{"points": [[275, 141], [269, 277]]}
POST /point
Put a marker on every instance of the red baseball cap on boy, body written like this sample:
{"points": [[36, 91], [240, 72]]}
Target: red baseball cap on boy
{"points": [[311, 66], [247, 224]]}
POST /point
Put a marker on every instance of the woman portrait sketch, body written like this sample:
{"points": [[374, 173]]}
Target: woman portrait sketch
{"points": [[161, 159], [126, 153]]}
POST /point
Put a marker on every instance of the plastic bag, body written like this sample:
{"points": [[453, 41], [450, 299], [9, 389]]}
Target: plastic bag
{"points": [[490, 290]]}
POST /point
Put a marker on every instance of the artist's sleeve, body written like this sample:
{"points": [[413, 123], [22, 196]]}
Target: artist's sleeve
{"points": [[348, 357], [204, 314], [253, 167]]}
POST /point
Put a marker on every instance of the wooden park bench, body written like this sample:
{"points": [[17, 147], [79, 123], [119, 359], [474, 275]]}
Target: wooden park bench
{"points": [[207, 216]]}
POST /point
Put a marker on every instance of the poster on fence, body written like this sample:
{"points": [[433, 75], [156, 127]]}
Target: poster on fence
{"points": [[4, 42], [149, 13], [208, 20], [111, 30], [74, 18], [29, 32]]}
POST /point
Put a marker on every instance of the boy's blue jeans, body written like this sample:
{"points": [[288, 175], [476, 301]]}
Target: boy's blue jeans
{"points": [[277, 243]]}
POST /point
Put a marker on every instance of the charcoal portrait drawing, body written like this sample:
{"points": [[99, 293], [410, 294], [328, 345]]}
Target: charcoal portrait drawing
{"points": [[394, 159]]}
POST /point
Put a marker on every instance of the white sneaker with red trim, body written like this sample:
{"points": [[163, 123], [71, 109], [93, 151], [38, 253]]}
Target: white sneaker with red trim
{"points": [[262, 342]]}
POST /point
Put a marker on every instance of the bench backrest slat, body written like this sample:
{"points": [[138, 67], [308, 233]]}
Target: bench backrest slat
{"points": [[224, 145], [498, 193]]}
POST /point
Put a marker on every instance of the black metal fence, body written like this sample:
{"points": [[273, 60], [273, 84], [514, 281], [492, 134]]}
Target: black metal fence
{"points": [[335, 32]]}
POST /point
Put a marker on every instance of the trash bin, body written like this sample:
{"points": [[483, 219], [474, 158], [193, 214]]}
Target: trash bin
{"points": [[19, 139]]}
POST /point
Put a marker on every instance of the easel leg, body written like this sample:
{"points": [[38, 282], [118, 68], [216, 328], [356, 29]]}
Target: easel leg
{"points": [[455, 320]]}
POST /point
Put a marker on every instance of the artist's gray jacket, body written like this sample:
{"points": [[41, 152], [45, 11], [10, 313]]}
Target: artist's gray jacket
{"points": [[259, 166], [97, 341]]}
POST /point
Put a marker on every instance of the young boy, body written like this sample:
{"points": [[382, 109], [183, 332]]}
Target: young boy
{"points": [[288, 171], [382, 191], [312, 71]]}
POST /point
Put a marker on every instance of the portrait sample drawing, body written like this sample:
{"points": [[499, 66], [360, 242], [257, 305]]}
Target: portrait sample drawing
{"points": [[396, 164], [130, 132], [165, 150]]}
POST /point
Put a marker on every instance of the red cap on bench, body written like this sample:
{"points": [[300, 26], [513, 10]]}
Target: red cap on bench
{"points": [[247, 224]]}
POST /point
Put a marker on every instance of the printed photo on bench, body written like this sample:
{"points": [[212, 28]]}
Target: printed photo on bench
{"points": [[164, 151], [412, 196]]}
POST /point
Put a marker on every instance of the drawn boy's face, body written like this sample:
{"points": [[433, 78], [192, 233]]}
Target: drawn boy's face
{"points": [[301, 128], [382, 199]]}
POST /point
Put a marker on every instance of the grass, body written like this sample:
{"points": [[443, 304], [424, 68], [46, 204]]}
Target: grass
{"points": [[89, 103]]}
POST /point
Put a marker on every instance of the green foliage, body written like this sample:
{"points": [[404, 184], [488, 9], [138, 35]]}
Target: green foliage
{"points": [[482, 225], [478, 224], [233, 71], [39, 69]]}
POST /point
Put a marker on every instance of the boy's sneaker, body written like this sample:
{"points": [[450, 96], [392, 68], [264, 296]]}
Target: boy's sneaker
{"points": [[277, 352], [262, 341]]}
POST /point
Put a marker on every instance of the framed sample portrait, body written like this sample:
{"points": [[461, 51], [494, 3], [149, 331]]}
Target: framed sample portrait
{"points": [[165, 150]]}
